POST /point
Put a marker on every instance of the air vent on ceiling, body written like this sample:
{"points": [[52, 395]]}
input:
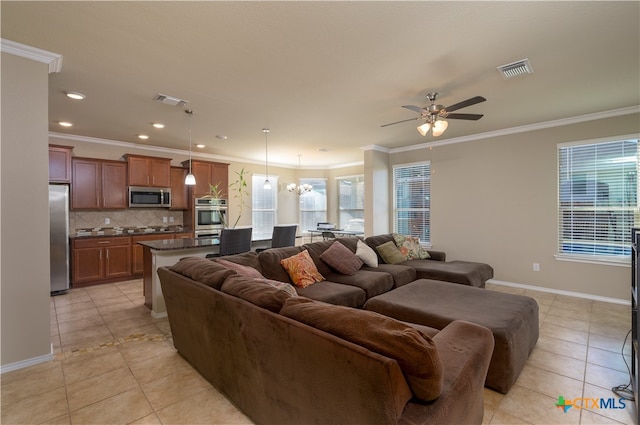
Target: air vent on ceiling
{"points": [[170, 100], [515, 69]]}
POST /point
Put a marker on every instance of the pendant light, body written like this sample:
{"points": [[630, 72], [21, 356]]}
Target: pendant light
{"points": [[299, 189], [190, 179], [267, 183]]}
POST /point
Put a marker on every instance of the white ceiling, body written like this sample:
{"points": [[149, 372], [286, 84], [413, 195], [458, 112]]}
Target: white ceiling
{"points": [[325, 74]]}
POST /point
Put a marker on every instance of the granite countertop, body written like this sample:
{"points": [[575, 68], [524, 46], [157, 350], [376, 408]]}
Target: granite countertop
{"points": [[126, 231], [183, 243]]}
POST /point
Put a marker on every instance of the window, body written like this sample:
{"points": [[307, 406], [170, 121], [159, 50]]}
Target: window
{"points": [[412, 200], [597, 196], [351, 203], [264, 206], [313, 205]]}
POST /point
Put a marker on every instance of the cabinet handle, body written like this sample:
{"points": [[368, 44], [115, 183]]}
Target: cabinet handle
{"points": [[103, 242], [147, 179], [100, 255], [107, 251]]}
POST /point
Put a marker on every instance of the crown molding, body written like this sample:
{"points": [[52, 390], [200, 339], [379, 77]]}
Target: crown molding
{"points": [[376, 148], [54, 60], [523, 128]]}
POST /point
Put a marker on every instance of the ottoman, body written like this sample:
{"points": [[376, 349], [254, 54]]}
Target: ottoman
{"points": [[513, 319], [463, 272]]}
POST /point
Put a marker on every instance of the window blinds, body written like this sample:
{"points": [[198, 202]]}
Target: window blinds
{"points": [[412, 200]]}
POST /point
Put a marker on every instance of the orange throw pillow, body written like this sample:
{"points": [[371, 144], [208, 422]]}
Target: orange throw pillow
{"points": [[301, 269]]}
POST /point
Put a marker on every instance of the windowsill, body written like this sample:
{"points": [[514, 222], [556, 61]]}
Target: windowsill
{"points": [[607, 261]]}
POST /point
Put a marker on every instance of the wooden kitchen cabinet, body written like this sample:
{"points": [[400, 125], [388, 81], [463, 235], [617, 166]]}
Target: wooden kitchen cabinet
{"points": [[179, 191], [97, 260], [98, 184], [207, 173], [137, 250], [148, 170], [60, 164]]}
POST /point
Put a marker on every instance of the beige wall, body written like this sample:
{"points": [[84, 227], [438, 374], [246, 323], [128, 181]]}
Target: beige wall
{"points": [[24, 212], [495, 201]]}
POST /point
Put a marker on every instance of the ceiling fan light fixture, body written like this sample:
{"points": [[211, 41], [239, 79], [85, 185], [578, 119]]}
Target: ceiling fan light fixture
{"points": [[423, 129], [439, 127]]}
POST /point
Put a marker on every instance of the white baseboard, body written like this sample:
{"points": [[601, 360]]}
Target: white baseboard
{"points": [[26, 363], [158, 315], [560, 292]]}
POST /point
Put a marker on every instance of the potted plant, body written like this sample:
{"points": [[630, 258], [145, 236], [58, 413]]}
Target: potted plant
{"points": [[239, 190]]}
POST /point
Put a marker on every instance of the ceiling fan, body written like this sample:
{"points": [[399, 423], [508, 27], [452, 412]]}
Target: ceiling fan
{"points": [[434, 115]]}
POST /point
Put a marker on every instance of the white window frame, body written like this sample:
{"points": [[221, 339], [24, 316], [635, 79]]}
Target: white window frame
{"points": [[358, 178], [623, 234], [304, 226], [257, 186], [425, 235]]}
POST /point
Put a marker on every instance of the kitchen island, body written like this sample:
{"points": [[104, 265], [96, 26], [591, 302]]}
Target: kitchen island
{"points": [[167, 252]]}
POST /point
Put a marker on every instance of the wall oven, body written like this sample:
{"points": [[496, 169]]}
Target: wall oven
{"points": [[209, 217]]}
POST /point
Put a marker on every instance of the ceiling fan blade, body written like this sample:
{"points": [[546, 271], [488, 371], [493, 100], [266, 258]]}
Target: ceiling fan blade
{"points": [[414, 108], [465, 103], [398, 122], [474, 117]]}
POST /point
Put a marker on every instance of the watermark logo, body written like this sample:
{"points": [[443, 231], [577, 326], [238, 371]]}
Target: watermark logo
{"points": [[590, 403]]}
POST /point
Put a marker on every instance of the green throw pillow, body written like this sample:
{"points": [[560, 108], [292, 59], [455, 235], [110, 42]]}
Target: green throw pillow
{"points": [[390, 253]]}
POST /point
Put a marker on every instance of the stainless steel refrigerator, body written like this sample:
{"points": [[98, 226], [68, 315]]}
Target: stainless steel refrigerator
{"points": [[59, 237]]}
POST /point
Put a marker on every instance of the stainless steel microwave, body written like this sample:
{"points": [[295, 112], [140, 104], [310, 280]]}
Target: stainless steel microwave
{"points": [[149, 197]]}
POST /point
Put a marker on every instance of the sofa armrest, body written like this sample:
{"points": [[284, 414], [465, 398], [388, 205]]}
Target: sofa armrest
{"points": [[437, 255], [465, 350]]}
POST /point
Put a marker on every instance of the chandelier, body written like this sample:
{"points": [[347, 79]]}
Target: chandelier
{"points": [[299, 189]]}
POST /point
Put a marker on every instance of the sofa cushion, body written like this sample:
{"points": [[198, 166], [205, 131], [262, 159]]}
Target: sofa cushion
{"points": [[334, 293], [270, 262], [249, 258], [366, 254], [414, 351], [301, 269], [245, 271], [283, 286], [372, 282], [401, 273], [203, 270], [256, 291], [410, 247], [341, 259], [390, 253]]}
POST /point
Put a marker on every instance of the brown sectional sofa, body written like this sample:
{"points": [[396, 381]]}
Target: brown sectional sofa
{"points": [[278, 369], [219, 328]]}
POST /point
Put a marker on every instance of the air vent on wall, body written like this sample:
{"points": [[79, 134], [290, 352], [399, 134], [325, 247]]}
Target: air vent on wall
{"points": [[170, 100], [515, 69]]}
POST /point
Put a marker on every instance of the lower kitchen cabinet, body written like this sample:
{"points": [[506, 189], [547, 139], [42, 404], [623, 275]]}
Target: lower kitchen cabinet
{"points": [[97, 260], [137, 250]]}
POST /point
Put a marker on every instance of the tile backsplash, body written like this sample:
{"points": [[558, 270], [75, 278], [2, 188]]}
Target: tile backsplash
{"points": [[123, 218]]}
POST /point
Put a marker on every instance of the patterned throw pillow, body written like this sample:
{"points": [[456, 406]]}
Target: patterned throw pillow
{"points": [[390, 253], [410, 247], [301, 269], [245, 271], [366, 254], [341, 259]]}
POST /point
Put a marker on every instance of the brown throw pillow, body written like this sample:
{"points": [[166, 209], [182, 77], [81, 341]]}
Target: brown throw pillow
{"points": [[341, 259], [202, 270], [240, 269], [390, 253], [414, 351], [256, 291]]}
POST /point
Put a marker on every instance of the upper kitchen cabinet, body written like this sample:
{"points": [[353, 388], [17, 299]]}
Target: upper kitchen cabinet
{"points": [[60, 164], [179, 191], [98, 184], [209, 173], [148, 170]]}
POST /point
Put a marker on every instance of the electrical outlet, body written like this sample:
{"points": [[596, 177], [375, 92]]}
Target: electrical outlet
{"points": [[536, 267], [170, 219], [164, 219], [107, 220]]}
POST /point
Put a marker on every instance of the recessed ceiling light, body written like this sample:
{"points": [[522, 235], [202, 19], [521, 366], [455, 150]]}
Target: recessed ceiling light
{"points": [[158, 125], [324, 150], [65, 123], [200, 145], [143, 136], [75, 95], [221, 137]]}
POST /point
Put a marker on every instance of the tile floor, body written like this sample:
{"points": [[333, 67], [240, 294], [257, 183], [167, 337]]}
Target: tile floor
{"points": [[115, 364]]}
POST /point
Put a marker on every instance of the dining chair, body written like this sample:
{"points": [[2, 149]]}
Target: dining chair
{"points": [[328, 235], [282, 236], [234, 241]]}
